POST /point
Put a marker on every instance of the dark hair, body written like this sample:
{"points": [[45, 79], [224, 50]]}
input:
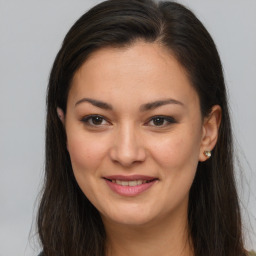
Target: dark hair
{"points": [[68, 223]]}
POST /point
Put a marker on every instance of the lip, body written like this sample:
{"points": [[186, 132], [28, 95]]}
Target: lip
{"points": [[129, 191], [129, 178]]}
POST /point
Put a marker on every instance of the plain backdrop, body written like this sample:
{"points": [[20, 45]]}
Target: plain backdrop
{"points": [[31, 33]]}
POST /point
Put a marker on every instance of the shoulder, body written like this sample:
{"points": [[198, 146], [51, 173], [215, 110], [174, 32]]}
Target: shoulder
{"points": [[252, 253]]}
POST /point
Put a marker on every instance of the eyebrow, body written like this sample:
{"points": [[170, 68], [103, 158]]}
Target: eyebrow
{"points": [[97, 103], [144, 107], [159, 103]]}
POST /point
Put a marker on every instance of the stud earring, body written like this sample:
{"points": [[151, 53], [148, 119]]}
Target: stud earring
{"points": [[207, 153]]}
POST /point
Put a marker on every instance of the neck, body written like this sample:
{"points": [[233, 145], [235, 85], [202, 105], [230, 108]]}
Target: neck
{"points": [[169, 237]]}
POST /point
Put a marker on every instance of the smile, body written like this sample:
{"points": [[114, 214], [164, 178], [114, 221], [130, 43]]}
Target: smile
{"points": [[130, 185]]}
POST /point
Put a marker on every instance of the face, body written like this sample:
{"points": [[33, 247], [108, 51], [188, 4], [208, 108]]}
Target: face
{"points": [[134, 133]]}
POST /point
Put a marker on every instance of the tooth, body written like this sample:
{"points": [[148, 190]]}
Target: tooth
{"points": [[139, 182], [124, 183], [119, 182], [133, 183]]}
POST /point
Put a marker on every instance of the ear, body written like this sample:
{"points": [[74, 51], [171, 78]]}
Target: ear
{"points": [[210, 132], [61, 115]]}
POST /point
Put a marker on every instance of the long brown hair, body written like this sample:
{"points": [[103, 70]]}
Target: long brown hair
{"points": [[68, 224]]}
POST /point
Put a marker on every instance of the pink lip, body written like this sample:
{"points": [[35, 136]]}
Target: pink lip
{"points": [[129, 178], [129, 190]]}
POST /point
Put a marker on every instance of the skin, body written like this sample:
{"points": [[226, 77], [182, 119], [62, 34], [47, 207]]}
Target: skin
{"points": [[127, 141]]}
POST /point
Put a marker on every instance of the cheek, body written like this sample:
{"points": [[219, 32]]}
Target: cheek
{"points": [[179, 149], [86, 152]]}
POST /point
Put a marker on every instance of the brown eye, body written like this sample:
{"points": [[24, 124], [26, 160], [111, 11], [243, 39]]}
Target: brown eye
{"points": [[161, 121], [158, 121], [95, 120]]}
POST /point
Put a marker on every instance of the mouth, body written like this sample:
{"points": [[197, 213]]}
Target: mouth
{"points": [[130, 185]]}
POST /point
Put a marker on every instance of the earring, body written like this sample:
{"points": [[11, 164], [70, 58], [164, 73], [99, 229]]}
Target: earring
{"points": [[207, 153]]}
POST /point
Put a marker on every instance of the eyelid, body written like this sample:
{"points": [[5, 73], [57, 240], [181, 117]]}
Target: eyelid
{"points": [[167, 119], [170, 120], [86, 119]]}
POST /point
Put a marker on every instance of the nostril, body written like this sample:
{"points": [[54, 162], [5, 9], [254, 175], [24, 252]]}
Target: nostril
{"points": [[127, 148], [127, 156]]}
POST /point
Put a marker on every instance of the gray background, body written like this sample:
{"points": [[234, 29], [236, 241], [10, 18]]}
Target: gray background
{"points": [[31, 33]]}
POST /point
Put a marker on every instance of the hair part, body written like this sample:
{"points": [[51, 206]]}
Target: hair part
{"points": [[68, 224]]}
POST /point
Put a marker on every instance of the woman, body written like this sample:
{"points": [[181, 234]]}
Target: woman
{"points": [[138, 138]]}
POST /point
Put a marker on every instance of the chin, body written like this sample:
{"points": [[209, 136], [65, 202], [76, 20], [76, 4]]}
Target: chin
{"points": [[130, 220], [130, 216]]}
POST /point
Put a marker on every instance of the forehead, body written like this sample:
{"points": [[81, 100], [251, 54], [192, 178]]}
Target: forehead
{"points": [[147, 69]]}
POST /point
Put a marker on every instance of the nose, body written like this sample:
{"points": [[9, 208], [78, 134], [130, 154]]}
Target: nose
{"points": [[127, 148]]}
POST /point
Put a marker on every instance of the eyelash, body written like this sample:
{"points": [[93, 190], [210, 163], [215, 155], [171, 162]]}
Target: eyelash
{"points": [[167, 120], [88, 119]]}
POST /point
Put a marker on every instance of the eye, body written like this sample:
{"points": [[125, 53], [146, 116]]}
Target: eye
{"points": [[95, 120], [161, 121]]}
